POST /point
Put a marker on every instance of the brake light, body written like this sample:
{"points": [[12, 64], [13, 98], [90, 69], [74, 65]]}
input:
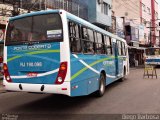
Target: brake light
{"points": [[61, 73], [6, 73]]}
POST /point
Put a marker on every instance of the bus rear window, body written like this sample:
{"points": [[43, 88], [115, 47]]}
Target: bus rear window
{"points": [[46, 27]]}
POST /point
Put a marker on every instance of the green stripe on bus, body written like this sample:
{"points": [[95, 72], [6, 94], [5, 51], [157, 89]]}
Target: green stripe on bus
{"points": [[33, 53], [10, 59], [43, 51], [92, 64]]}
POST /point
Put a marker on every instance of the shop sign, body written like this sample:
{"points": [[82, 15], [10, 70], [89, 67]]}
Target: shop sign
{"points": [[120, 27]]}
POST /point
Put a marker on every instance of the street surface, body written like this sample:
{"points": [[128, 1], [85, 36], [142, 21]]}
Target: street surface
{"points": [[133, 95]]}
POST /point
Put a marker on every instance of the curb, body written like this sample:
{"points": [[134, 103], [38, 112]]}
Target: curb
{"points": [[136, 68], [2, 90]]}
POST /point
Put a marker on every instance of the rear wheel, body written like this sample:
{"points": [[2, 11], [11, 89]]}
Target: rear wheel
{"points": [[102, 85]]}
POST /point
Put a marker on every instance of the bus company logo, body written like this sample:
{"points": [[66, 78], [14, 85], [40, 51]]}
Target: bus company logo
{"points": [[108, 62], [32, 47]]}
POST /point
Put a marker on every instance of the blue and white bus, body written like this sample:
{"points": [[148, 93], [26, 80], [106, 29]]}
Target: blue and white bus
{"points": [[152, 56], [56, 52]]}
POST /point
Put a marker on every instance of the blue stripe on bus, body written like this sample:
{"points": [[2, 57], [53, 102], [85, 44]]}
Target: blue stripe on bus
{"points": [[152, 60]]}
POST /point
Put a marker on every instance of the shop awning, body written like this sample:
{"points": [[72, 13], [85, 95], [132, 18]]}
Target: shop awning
{"points": [[138, 48]]}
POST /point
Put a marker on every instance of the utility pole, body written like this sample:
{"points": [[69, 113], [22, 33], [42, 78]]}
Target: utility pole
{"points": [[40, 4], [150, 27], [150, 33], [45, 4]]}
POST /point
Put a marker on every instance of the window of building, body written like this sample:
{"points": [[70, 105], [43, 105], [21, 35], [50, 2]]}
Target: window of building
{"points": [[104, 8], [156, 15], [143, 7], [148, 10], [143, 21]]}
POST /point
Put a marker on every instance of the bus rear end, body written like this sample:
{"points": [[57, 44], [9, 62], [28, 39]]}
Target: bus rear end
{"points": [[34, 60], [152, 56]]}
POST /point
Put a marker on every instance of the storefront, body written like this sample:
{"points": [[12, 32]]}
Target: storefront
{"points": [[136, 56], [3, 22]]}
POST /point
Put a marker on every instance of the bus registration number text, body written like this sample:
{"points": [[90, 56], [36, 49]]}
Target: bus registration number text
{"points": [[30, 64]]}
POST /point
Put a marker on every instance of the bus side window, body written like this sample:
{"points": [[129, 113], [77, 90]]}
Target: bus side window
{"points": [[108, 45], [119, 47], [16, 34], [88, 40], [75, 41], [99, 44], [123, 49]]}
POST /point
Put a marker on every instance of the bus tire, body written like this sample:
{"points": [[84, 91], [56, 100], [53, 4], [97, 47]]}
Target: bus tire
{"points": [[102, 85]]}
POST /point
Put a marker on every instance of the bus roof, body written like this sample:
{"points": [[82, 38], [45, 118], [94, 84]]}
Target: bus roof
{"points": [[34, 13], [92, 26], [71, 17]]}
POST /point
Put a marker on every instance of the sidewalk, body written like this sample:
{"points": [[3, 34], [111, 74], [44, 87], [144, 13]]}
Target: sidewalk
{"points": [[137, 67]]}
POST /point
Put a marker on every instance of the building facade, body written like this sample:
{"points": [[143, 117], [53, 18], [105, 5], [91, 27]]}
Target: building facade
{"points": [[149, 18], [146, 16], [140, 24], [129, 10], [141, 16], [99, 12]]}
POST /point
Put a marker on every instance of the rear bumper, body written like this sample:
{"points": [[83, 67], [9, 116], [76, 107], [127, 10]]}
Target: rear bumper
{"points": [[39, 88]]}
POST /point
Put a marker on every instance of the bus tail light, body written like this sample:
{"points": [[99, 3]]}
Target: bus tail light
{"points": [[6, 73], [61, 73]]}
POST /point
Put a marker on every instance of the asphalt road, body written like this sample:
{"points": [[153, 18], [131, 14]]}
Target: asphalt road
{"points": [[133, 95]]}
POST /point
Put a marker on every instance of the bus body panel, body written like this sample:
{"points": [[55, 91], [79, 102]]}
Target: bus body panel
{"points": [[37, 64], [152, 60], [44, 75], [86, 69], [84, 77]]}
